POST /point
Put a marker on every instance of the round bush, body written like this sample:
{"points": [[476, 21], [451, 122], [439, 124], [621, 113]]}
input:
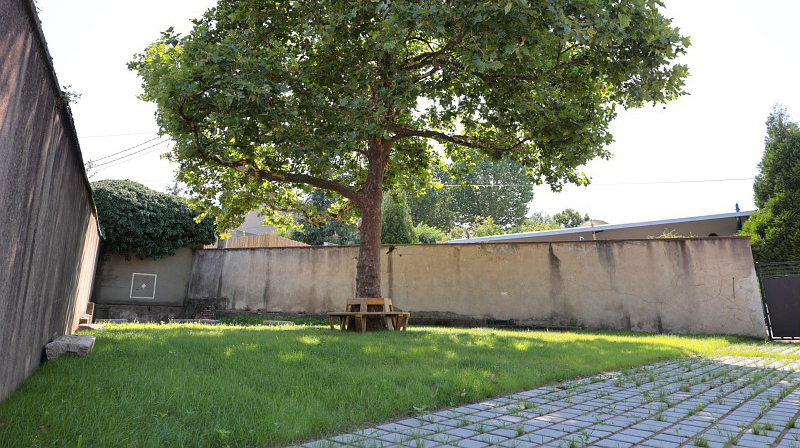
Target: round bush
{"points": [[147, 223]]}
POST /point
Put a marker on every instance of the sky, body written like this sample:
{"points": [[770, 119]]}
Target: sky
{"points": [[695, 156]]}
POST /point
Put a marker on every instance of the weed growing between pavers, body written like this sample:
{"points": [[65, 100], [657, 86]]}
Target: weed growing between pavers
{"points": [[188, 384], [759, 395]]}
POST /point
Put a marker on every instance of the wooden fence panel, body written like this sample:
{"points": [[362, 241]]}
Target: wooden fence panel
{"points": [[265, 240]]}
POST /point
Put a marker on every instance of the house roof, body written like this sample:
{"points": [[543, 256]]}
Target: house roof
{"points": [[596, 228]]}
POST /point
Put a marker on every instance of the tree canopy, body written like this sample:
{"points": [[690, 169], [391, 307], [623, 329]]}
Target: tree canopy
{"points": [[568, 218], [267, 100], [465, 191], [144, 222], [775, 227], [397, 227], [319, 232]]}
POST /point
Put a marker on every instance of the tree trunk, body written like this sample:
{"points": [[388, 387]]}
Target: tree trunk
{"points": [[368, 269]]}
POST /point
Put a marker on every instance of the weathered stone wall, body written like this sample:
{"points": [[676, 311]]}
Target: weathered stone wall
{"points": [[170, 276], [48, 227], [704, 285]]}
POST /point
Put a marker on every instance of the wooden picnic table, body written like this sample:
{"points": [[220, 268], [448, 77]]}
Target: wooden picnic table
{"points": [[356, 312]]}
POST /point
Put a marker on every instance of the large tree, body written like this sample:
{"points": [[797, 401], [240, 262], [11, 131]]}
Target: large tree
{"points": [[266, 100], [775, 227]]}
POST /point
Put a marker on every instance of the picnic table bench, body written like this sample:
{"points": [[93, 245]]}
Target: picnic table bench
{"points": [[357, 310]]}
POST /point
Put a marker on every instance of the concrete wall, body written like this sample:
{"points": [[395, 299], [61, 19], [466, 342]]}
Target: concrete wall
{"points": [[166, 280], [705, 285], [48, 228]]}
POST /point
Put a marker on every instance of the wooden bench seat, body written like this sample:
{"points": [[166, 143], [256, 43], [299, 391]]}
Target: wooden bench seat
{"points": [[399, 318]]}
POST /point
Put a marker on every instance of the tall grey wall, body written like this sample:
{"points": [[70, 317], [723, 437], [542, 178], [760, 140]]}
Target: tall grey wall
{"points": [[704, 285], [48, 228], [162, 282]]}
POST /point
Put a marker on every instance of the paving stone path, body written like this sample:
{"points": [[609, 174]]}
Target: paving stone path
{"points": [[704, 402]]}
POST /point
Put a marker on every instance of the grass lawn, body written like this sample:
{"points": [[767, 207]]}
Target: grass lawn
{"points": [[216, 385]]}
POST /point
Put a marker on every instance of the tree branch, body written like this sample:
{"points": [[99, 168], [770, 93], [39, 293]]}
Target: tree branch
{"points": [[317, 218], [463, 140], [424, 59], [250, 168]]}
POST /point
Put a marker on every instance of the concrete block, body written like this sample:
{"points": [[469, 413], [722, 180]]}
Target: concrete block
{"points": [[83, 327], [69, 344]]}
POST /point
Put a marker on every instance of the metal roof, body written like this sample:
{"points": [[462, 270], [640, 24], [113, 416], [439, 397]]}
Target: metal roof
{"points": [[513, 236]]}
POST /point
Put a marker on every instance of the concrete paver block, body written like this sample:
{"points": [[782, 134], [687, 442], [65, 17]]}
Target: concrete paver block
{"points": [[672, 403], [69, 344]]}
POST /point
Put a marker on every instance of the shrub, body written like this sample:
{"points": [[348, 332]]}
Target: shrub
{"points": [[144, 222], [397, 227], [429, 235]]}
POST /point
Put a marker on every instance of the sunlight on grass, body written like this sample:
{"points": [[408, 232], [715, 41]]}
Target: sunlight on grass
{"points": [[193, 384]]}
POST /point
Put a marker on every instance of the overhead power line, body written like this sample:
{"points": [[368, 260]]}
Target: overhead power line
{"points": [[118, 135], [153, 148], [129, 154], [682, 181], [126, 149], [614, 184]]}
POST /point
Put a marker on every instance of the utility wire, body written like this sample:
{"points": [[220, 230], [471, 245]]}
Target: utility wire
{"points": [[682, 181], [608, 185], [158, 146], [117, 135], [129, 154], [126, 149]]}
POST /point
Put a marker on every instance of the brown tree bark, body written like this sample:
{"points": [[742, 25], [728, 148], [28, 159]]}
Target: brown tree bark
{"points": [[368, 268]]}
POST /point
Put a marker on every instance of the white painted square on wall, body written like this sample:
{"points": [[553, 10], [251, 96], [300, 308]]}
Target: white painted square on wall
{"points": [[143, 286]]}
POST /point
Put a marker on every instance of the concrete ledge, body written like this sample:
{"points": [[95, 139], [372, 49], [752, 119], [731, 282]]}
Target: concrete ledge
{"points": [[69, 344], [142, 313], [278, 322]]}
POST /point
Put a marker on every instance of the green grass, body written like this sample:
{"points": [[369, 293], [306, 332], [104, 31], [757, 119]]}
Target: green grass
{"points": [[216, 385]]}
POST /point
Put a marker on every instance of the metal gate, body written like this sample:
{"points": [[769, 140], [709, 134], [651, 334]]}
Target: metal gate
{"points": [[780, 294]]}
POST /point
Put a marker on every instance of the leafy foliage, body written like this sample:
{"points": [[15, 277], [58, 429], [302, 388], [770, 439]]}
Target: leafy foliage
{"points": [[501, 190], [433, 206], [268, 100], [536, 82], [322, 231], [775, 227], [144, 222], [480, 226], [397, 227], [430, 235], [570, 218], [541, 221], [536, 222]]}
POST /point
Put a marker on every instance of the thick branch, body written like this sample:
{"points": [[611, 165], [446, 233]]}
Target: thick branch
{"points": [[316, 218], [463, 140], [424, 59], [298, 179], [250, 168]]}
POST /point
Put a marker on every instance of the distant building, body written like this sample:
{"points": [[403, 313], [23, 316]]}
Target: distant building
{"points": [[725, 224], [252, 225]]}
